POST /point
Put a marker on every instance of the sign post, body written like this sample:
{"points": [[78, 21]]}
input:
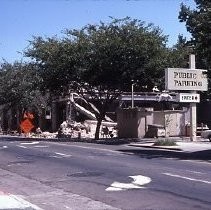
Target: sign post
{"points": [[192, 80], [132, 95], [193, 122]]}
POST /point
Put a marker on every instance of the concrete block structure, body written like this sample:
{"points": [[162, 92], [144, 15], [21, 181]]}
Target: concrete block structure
{"points": [[135, 123], [132, 123]]}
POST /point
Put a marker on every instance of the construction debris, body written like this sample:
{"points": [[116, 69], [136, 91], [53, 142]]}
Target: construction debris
{"points": [[86, 129]]}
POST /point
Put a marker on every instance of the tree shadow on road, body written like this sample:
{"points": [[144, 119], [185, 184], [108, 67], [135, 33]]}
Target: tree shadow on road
{"points": [[158, 153]]}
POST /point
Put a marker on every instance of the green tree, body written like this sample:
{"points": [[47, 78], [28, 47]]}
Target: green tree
{"points": [[178, 54], [198, 23], [56, 61], [19, 86], [101, 60], [116, 53]]}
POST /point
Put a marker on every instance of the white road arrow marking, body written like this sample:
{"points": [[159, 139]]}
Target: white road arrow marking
{"points": [[137, 183]]}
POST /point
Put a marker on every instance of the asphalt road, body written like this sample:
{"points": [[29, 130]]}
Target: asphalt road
{"points": [[90, 176]]}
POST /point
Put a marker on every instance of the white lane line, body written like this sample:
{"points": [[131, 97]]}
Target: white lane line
{"points": [[54, 156], [188, 178], [195, 172], [30, 143], [62, 154], [197, 161], [17, 164], [66, 207], [22, 146], [41, 146], [4, 147], [90, 148]]}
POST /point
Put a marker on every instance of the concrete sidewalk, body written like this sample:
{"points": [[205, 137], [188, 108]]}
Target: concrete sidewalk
{"points": [[13, 202], [185, 149], [183, 144]]}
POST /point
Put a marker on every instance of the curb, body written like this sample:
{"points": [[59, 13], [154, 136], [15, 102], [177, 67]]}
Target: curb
{"points": [[156, 147]]}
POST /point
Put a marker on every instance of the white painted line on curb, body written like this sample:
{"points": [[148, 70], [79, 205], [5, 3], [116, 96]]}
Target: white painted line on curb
{"points": [[188, 178]]}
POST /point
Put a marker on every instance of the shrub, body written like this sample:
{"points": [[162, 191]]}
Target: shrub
{"points": [[165, 142]]}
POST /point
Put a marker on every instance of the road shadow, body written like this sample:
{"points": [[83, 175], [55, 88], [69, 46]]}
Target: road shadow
{"points": [[159, 153]]}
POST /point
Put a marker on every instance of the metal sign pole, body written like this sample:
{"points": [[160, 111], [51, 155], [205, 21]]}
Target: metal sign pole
{"points": [[193, 122], [132, 95]]}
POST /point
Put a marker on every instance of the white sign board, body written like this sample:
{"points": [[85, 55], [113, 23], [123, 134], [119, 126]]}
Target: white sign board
{"points": [[188, 97], [186, 79]]}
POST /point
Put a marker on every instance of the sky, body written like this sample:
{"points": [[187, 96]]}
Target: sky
{"points": [[20, 20]]}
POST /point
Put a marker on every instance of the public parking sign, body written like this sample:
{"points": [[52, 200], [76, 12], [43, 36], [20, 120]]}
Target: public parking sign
{"points": [[186, 79], [188, 97]]}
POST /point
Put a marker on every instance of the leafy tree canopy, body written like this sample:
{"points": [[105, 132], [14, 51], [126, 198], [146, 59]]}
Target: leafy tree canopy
{"points": [[56, 60], [198, 23], [102, 60], [120, 51], [108, 55], [19, 86]]}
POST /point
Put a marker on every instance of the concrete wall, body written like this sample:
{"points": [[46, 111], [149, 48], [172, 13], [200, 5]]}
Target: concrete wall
{"points": [[133, 123], [173, 120]]}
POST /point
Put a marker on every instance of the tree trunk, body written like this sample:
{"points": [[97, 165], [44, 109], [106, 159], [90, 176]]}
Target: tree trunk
{"points": [[97, 132], [54, 117]]}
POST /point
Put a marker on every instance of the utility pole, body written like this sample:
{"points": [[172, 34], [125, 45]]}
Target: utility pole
{"points": [[193, 121], [192, 80]]}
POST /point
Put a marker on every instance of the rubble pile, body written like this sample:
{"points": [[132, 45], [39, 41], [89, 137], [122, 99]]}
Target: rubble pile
{"points": [[44, 134], [75, 130], [86, 129]]}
